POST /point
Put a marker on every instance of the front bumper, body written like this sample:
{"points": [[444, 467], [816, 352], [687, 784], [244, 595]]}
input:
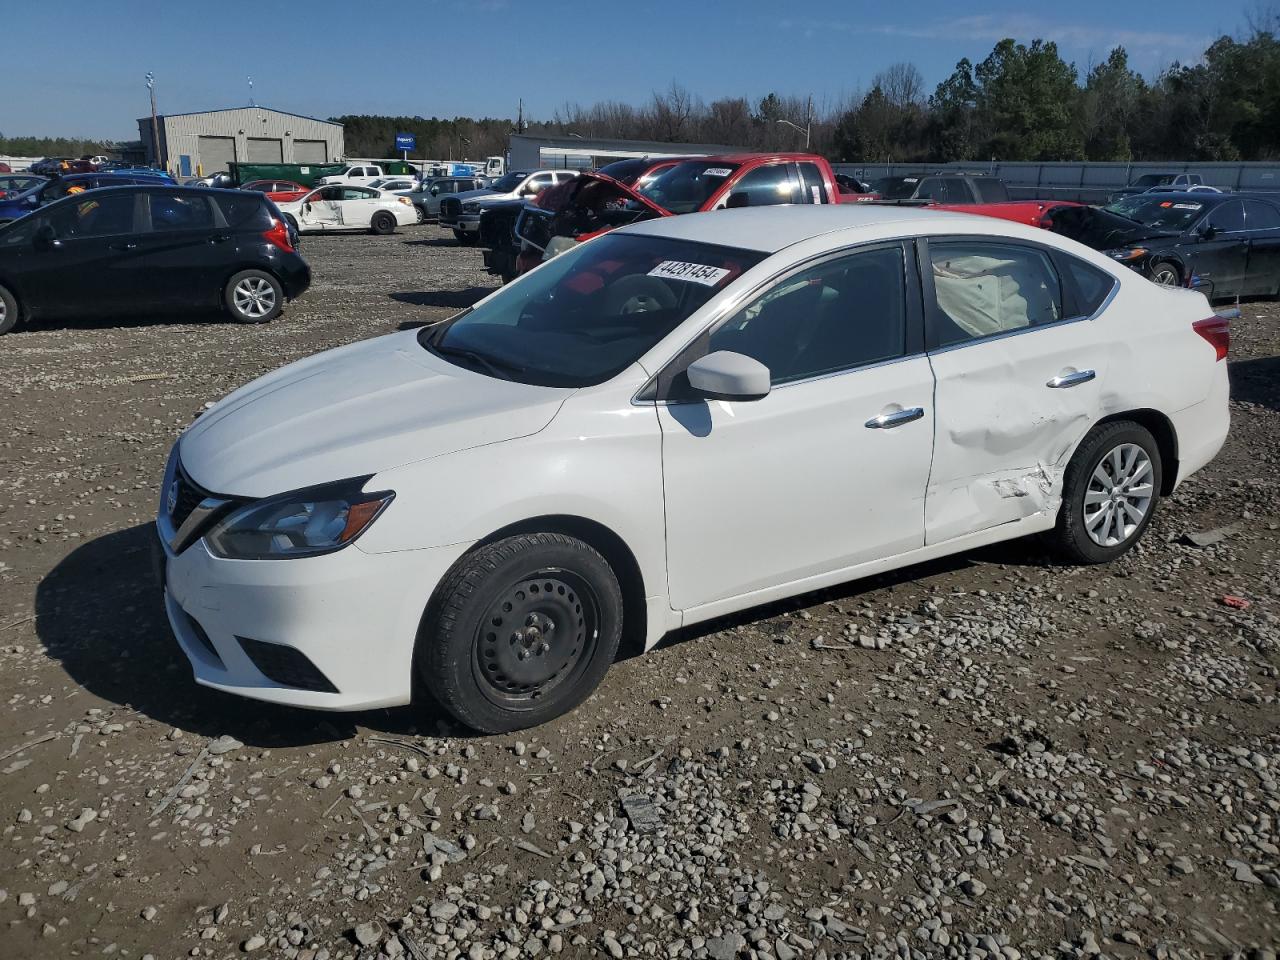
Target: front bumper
{"points": [[467, 223], [349, 618]]}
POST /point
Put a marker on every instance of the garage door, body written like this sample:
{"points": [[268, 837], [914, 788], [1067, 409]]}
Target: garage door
{"points": [[310, 151], [263, 150], [216, 154]]}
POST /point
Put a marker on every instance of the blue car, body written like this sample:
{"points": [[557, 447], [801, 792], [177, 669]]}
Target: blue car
{"points": [[16, 207]]}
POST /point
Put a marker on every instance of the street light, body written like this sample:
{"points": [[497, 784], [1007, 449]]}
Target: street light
{"points": [[808, 123], [155, 129]]}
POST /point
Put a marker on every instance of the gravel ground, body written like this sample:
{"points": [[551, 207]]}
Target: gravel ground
{"points": [[990, 756]]}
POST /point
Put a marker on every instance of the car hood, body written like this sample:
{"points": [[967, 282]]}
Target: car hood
{"points": [[1100, 229], [594, 187], [481, 194], [357, 410]]}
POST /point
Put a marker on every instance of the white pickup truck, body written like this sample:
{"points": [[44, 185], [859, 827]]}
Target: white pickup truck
{"points": [[461, 212], [358, 174]]}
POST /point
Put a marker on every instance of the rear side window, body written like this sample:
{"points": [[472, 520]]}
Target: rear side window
{"points": [[93, 216], [179, 211], [1260, 216], [1092, 286], [985, 288], [243, 212], [815, 191]]}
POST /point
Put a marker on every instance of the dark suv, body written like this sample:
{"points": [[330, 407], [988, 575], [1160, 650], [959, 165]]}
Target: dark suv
{"points": [[150, 248], [942, 188]]}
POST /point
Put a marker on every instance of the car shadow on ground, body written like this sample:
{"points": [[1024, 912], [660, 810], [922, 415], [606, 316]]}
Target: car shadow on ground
{"points": [[452, 299], [100, 614], [433, 241], [1256, 381], [1011, 554]]}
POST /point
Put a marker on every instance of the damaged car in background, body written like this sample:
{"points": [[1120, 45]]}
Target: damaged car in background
{"points": [[597, 202], [1230, 242]]}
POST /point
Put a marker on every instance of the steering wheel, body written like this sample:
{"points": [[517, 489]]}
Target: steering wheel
{"points": [[638, 294]]}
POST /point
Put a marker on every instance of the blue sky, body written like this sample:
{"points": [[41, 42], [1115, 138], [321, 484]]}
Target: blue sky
{"points": [[82, 68]]}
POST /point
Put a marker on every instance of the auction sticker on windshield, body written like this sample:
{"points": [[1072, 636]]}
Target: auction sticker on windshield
{"points": [[691, 272], [717, 171]]}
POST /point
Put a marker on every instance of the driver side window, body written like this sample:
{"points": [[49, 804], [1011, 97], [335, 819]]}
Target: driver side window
{"points": [[767, 186], [841, 314], [1228, 218]]}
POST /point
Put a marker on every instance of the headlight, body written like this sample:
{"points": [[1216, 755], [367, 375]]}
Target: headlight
{"points": [[303, 523], [1128, 254], [471, 207], [406, 201]]}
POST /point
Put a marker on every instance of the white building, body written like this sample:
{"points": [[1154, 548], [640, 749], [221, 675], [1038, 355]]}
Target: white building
{"points": [[195, 144]]}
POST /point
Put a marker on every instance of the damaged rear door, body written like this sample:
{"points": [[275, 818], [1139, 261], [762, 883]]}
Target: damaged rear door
{"points": [[1020, 371]]}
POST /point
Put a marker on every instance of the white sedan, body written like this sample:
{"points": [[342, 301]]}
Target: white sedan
{"points": [[672, 422], [344, 207]]}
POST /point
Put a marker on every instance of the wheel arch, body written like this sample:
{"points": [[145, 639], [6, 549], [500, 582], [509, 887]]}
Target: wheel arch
{"points": [[1160, 427], [607, 543]]}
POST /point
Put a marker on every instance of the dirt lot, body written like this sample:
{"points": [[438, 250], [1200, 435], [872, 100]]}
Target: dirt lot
{"points": [[990, 756]]}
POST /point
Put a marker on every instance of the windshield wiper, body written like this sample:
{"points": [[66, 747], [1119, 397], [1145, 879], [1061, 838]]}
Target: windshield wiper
{"points": [[497, 368]]}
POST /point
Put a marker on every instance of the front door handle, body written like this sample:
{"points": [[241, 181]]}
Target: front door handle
{"points": [[887, 420], [1071, 379], [220, 238], [128, 245]]}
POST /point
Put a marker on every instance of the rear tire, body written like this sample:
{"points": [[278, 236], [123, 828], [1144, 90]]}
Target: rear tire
{"points": [[520, 631], [1109, 493], [383, 224], [8, 311], [291, 221], [253, 296]]}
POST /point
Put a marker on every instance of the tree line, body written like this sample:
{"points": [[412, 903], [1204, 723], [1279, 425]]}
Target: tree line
{"points": [[456, 139]]}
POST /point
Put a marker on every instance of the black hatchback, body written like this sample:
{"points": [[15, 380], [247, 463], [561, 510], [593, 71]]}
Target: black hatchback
{"points": [[125, 250]]}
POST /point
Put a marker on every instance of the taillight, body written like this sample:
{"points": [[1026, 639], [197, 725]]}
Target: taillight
{"points": [[1217, 330], [278, 236]]}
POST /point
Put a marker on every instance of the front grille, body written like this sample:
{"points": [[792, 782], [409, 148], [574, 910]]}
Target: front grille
{"points": [[189, 496], [451, 208], [287, 666]]}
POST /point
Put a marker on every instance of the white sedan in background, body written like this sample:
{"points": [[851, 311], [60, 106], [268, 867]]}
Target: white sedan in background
{"points": [[338, 207], [674, 421]]}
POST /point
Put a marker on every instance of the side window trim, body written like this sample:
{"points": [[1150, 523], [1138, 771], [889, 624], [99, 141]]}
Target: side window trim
{"points": [[658, 387], [931, 294]]}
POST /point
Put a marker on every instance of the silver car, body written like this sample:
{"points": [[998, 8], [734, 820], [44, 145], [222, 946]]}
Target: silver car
{"points": [[426, 196]]}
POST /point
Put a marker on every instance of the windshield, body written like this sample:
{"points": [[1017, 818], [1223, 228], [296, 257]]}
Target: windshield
{"points": [[687, 186], [508, 183], [1153, 179], [1169, 216], [587, 315], [896, 188]]}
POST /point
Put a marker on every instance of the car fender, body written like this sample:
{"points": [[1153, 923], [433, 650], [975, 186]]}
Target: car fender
{"points": [[599, 459]]}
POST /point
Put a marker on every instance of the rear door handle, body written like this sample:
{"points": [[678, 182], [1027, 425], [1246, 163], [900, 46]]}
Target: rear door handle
{"points": [[220, 238], [128, 245], [886, 421], [1071, 379]]}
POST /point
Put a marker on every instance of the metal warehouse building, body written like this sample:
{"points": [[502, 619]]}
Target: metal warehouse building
{"points": [[531, 152], [194, 144]]}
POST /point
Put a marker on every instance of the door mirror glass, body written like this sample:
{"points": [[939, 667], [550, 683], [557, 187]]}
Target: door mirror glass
{"points": [[740, 199], [1208, 231], [725, 375]]}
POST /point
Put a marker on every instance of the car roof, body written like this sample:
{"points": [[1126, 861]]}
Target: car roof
{"points": [[1194, 196], [770, 229]]}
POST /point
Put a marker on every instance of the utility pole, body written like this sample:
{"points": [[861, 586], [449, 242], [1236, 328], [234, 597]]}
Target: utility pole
{"points": [[251, 103], [520, 117], [807, 129], [155, 127]]}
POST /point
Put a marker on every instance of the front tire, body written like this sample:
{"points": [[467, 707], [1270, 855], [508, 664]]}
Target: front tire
{"points": [[383, 224], [1109, 493], [253, 296], [1166, 273], [521, 631], [462, 237], [8, 311]]}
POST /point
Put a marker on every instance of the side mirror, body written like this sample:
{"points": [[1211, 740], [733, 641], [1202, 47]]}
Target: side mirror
{"points": [[435, 191], [725, 375], [1209, 231], [738, 199], [45, 238]]}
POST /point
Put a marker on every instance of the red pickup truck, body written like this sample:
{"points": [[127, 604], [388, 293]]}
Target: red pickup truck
{"points": [[595, 202]]}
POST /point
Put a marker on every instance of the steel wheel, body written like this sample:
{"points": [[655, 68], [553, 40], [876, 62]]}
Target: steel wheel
{"points": [[254, 297], [538, 635], [1118, 495], [1165, 274]]}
